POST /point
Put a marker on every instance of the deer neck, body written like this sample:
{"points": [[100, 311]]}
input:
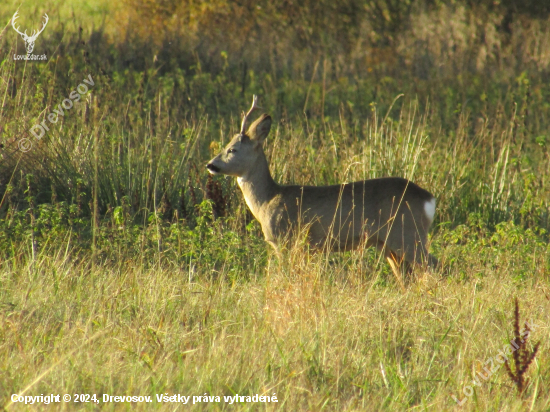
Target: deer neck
{"points": [[258, 186]]}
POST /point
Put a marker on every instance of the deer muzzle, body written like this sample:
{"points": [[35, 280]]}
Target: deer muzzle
{"points": [[212, 168]]}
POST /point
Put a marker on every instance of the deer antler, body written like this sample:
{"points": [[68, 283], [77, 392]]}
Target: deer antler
{"points": [[15, 16], [245, 116], [35, 33]]}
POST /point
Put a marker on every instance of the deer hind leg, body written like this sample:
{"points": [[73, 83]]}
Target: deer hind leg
{"points": [[397, 264], [421, 259], [432, 261]]}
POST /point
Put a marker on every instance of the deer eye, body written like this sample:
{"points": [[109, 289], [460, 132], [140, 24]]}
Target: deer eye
{"points": [[232, 151]]}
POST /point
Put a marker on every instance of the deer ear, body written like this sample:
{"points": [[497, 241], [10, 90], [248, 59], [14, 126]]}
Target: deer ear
{"points": [[259, 130]]}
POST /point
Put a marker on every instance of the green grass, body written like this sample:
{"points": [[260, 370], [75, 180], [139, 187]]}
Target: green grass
{"points": [[116, 278]]}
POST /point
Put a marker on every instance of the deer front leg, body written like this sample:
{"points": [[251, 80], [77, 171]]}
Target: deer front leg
{"points": [[276, 249]]}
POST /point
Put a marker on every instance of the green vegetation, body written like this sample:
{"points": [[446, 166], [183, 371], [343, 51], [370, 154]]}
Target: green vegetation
{"points": [[126, 270]]}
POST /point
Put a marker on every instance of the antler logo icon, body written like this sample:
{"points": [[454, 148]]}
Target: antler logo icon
{"points": [[29, 40]]}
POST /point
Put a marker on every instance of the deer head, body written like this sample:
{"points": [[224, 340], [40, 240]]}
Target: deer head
{"points": [[29, 40], [240, 155]]}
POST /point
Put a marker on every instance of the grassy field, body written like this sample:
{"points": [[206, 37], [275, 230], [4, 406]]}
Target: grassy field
{"points": [[125, 270]]}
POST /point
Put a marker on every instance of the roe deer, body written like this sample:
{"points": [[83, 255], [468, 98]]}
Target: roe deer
{"points": [[391, 213]]}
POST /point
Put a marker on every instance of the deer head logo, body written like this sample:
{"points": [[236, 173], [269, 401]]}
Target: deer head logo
{"points": [[29, 40]]}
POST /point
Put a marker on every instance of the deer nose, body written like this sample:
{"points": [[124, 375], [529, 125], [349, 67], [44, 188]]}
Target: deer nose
{"points": [[212, 169]]}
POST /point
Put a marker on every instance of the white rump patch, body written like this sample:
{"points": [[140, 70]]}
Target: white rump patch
{"points": [[429, 209]]}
